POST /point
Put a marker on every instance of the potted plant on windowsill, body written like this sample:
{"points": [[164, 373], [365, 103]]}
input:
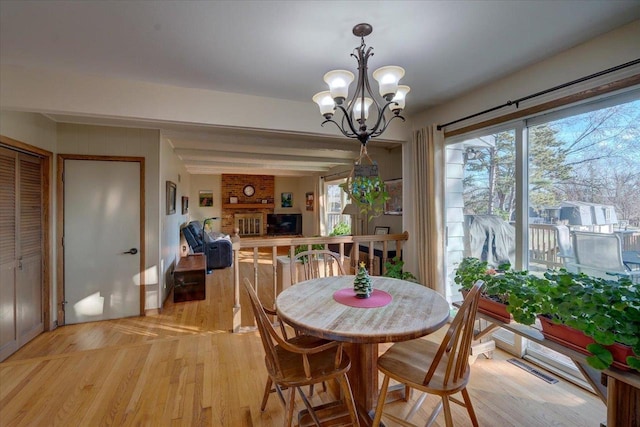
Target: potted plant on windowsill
{"points": [[604, 313], [507, 293]]}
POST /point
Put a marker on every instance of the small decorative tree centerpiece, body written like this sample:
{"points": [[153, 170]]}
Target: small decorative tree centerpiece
{"points": [[362, 285]]}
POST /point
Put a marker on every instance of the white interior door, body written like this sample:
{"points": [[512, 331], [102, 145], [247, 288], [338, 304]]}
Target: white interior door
{"points": [[101, 224]]}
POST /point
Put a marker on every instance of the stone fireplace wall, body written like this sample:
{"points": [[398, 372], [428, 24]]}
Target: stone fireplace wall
{"points": [[261, 202]]}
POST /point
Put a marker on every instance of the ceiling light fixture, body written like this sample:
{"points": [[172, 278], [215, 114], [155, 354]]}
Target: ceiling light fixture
{"points": [[356, 112]]}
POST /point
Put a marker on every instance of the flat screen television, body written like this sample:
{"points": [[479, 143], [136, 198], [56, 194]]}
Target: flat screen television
{"points": [[280, 224]]}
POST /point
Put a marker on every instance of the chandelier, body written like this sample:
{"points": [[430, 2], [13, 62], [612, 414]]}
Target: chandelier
{"points": [[357, 109]]}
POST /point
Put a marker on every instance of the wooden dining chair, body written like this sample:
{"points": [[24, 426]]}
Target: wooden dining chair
{"points": [[440, 369], [301, 361], [315, 264], [283, 333]]}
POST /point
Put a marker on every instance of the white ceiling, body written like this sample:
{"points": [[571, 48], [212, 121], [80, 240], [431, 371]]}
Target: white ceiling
{"points": [[281, 49]]}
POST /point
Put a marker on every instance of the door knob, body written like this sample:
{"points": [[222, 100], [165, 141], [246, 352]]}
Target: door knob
{"points": [[131, 251]]}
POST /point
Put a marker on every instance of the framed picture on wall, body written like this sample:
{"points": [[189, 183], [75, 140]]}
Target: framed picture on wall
{"points": [[171, 198], [185, 205], [206, 198], [309, 201], [287, 200], [381, 230], [393, 206]]}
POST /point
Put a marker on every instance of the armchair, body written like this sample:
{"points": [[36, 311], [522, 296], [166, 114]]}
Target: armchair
{"points": [[216, 247]]}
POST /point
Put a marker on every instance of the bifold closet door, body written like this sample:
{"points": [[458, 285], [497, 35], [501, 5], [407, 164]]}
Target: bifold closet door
{"points": [[21, 315]]}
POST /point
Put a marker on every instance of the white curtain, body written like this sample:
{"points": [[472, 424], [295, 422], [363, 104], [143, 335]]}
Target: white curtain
{"points": [[428, 165], [320, 212]]}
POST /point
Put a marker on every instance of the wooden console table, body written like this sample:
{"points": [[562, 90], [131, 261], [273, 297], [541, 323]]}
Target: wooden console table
{"points": [[619, 390], [189, 278]]}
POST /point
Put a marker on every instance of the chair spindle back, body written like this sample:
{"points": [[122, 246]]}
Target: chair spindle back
{"points": [[457, 342]]}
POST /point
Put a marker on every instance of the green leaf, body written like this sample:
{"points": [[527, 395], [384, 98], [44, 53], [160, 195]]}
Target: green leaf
{"points": [[601, 357], [634, 362]]}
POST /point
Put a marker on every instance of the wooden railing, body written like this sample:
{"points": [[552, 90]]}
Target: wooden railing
{"points": [[543, 246], [630, 241], [544, 250], [259, 251]]}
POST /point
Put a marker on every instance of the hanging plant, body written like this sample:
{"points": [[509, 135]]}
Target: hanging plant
{"points": [[365, 187]]}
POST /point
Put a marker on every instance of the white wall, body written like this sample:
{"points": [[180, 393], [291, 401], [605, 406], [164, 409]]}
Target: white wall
{"points": [[171, 169], [609, 50], [390, 167], [210, 183], [52, 91], [39, 131], [113, 141], [30, 128], [310, 219]]}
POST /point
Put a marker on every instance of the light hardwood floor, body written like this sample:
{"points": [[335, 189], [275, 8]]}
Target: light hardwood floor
{"points": [[183, 368]]}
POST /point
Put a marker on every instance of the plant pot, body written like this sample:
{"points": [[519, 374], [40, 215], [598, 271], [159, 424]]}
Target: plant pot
{"points": [[492, 308], [578, 341], [620, 353]]}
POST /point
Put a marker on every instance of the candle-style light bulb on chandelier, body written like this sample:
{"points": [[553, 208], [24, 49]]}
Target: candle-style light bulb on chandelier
{"points": [[356, 110]]}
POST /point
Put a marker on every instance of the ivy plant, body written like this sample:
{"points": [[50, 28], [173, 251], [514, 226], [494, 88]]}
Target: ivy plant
{"points": [[606, 310], [368, 193]]}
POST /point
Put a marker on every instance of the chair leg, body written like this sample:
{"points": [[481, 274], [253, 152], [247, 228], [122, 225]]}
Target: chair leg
{"points": [[407, 393], [289, 407], [381, 401], [447, 411], [307, 404], [416, 406], [469, 406], [348, 399], [267, 392]]}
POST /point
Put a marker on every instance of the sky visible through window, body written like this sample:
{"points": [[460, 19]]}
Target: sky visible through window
{"points": [[592, 157]]}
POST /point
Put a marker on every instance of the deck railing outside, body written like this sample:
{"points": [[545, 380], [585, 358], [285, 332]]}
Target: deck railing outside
{"points": [[544, 250]]}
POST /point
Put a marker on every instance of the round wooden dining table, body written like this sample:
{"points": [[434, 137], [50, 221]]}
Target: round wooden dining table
{"points": [[411, 311]]}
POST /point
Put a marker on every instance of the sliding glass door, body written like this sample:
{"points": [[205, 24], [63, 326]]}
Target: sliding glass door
{"points": [[584, 183], [481, 200], [527, 192]]}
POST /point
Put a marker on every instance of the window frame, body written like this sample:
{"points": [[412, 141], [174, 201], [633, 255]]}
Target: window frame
{"points": [[512, 343]]}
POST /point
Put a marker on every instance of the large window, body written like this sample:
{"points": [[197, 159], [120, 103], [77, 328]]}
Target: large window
{"points": [[526, 192], [481, 197], [336, 199], [584, 176]]}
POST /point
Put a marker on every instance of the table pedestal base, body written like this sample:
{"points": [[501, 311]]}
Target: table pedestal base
{"points": [[364, 365]]}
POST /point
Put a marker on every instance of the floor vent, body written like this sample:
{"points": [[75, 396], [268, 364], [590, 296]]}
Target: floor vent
{"points": [[533, 371]]}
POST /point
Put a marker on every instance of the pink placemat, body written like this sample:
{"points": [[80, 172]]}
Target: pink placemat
{"points": [[348, 297]]}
